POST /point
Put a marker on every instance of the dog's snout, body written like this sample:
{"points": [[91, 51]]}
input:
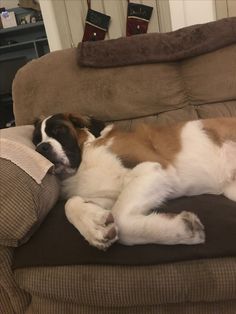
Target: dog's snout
{"points": [[43, 148]]}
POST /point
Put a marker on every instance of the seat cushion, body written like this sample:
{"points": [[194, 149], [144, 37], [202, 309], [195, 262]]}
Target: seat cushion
{"points": [[58, 243], [203, 286]]}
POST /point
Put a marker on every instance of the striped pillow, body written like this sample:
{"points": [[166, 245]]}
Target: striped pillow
{"points": [[27, 192]]}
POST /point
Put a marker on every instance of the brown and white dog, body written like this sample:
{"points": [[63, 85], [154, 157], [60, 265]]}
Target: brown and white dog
{"points": [[112, 179]]}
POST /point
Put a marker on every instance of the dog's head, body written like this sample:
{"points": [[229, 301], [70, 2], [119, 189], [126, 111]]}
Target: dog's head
{"points": [[60, 138]]}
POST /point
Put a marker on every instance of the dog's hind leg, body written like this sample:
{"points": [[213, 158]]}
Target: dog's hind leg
{"points": [[147, 187]]}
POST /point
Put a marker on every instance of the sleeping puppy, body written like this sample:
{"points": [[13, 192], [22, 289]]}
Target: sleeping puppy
{"points": [[112, 179]]}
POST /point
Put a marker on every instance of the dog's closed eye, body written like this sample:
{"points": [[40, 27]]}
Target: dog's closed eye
{"points": [[60, 130]]}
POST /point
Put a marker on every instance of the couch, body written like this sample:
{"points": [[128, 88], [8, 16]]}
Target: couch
{"points": [[161, 78]]}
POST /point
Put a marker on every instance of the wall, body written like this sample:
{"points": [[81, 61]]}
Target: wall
{"points": [[117, 9], [189, 12], [50, 22], [225, 8], [64, 20]]}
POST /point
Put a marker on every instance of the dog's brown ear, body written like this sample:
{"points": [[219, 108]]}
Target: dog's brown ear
{"points": [[93, 125], [78, 121]]}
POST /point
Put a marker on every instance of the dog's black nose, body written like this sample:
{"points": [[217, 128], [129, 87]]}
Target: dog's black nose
{"points": [[43, 148]]}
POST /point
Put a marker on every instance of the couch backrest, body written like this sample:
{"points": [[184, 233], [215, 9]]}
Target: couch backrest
{"points": [[198, 87]]}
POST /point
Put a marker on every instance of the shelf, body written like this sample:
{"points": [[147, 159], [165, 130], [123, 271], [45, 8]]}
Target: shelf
{"points": [[22, 27], [22, 45], [29, 41]]}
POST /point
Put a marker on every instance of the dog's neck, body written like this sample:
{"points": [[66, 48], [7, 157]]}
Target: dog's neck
{"points": [[84, 136]]}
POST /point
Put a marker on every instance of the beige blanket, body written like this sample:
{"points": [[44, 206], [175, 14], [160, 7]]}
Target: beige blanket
{"points": [[16, 145]]}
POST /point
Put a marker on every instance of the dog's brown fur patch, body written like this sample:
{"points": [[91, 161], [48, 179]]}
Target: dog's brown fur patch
{"points": [[145, 143], [220, 130]]}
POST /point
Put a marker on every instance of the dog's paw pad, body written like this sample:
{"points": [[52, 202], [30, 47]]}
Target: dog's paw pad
{"points": [[194, 228], [111, 234], [104, 236], [109, 219], [193, 223]]}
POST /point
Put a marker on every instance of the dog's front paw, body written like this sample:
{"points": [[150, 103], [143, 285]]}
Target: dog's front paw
{"points": [[104, 232], [193, 229], [94, 223]]}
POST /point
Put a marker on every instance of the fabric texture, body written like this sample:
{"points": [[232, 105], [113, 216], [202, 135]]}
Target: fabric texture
{"points": [[27, 191], [194, 87], [23, 203], [51, 242], [159, 47], [52, 306], [207, 280], [164, 91], [16, 145], [12, 299]]}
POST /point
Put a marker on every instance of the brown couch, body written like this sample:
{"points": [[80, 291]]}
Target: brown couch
{"points": [[56, 271]]}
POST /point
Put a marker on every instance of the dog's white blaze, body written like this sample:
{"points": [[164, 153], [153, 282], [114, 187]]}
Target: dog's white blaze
{"points": [[57, 148]]}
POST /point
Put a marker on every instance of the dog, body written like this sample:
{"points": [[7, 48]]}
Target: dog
{"points": [[112, 179]]}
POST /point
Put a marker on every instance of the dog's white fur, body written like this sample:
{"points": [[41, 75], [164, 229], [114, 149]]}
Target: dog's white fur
{"points": [[102, 185]]}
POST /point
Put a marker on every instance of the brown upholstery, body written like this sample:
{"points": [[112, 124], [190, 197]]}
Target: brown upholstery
{"points": [[204, 284], [12, 298], [186, 89], [47, 244], [197, 87], [24, 203], [159, 47]]}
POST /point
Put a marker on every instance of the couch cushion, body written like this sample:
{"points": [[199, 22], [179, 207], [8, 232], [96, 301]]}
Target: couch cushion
{"points": [[210, 78], [115, 94], [27, 191], [107, 94], [200, 286], [12, 299], [57, 242]]}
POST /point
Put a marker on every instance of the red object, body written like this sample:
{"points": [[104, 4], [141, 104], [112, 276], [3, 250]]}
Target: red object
{"points": [[93, 33], [96, 25], [138, 17]]}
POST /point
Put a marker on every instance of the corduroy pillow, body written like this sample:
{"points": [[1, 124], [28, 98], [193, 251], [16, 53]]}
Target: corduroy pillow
{"points": [[27, 190]]}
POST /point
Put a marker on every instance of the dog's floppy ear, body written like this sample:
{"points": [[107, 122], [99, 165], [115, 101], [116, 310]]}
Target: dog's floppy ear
{"points": [[78, 121], [93, 125]]}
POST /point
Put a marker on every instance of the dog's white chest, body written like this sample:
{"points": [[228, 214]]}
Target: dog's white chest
{"points": [[99, 178]]}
